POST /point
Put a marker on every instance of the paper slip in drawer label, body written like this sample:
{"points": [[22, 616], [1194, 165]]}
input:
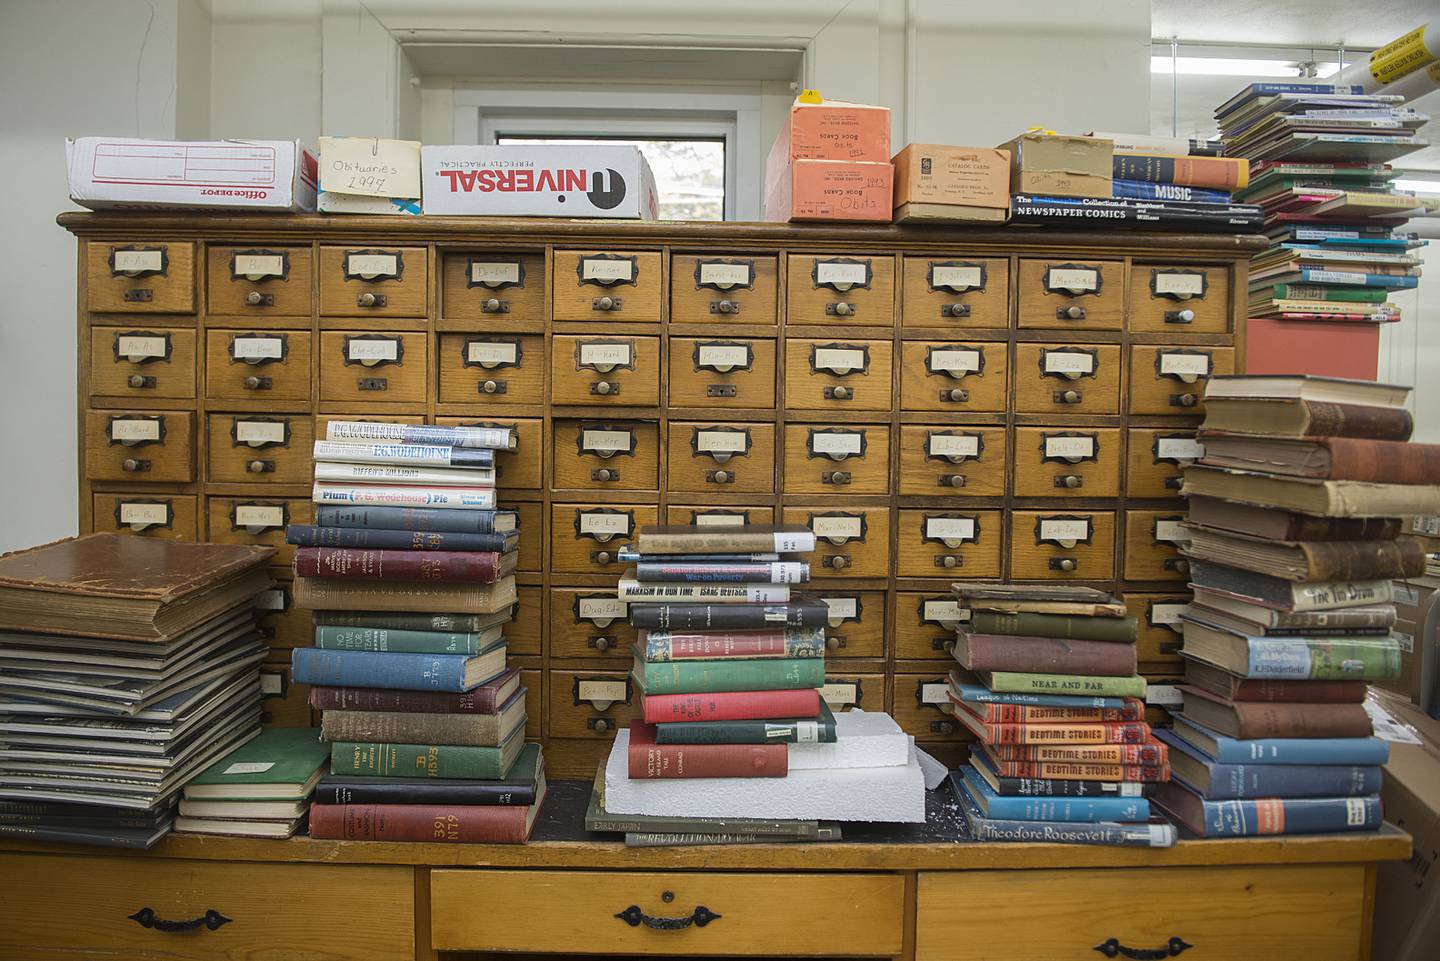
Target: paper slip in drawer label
{"points": [[140, 346], [1069, 362], [257, 266], [124, 430], [259, 515], [807, 732], [1171, 531], [955, 361], [722, 356], [837, 443], [592, 523], [249, 767], [1185, 284], [373, 349], [603, 691], [1405, 594], [372, 265], [1065, 529], [495, 273], [841, 608], [261, 431], [608, 271], [943, 612], [1072, 278], [1179, 448], [1163, 695], [934, 693], [719, 520], [1167, 613], [841, 694], [1406, 641], [951, 445], [956, 278], [257, 348], [602, 609], [486, 352], [838, 528], [606, 441], [598, 354], [273, 600], [724, 276], [1069, 447], [841, 275], [1196, 365], [137, 261], [137, 514], [950, 528], [841, 360], [722, 441], [271, 684]]}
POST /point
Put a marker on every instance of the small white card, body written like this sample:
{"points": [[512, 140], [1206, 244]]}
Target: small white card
{"points": [[1069, 362], [249, 767], [725, 276], [257, 348], [487, 353], [591, 523], [384, 348], [843, 276], [599, 355], [607, 271]]}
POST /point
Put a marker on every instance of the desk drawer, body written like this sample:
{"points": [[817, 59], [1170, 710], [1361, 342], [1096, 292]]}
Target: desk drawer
{"points": [[920, 706], [736, 458], [1156, 459], [843, 690], [372, 368], [1179, 299], [925, 626], [1158, 635], [257, 520], [489, 369], [1171, 380], [282, 702], [258, 366], [523, 633], [606, 286], [532, 535], [492, 287], [605, 372], [607, 455], [258, 282], [140, 446], [837, 375], [1152, 546], [953, 377], [722, 372], [261, 448], [826, 290], [139, 278], [850, 542], [949, 292], [518, 468], [1072, 294], [736, 289], [142, 363], [575, 912], [1251, 913], [856, 626], [834, 459], [1067, 462], [1067, 379], [1062, 545], [952, 461], [585, 537], [170, 516], [591, 704], [282, 624], [728, 515], [590, 622], [949, 543], [374, 281], [269, 910]]}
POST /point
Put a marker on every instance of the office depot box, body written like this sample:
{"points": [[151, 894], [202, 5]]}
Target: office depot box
{"points": [[1407, 893], [542, 180], [369, 175], [832, 190], [110, 172], [942, 184], [1057, 165]]}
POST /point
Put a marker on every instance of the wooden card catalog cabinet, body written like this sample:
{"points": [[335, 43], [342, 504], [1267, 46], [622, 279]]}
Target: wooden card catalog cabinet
{"points": [[935, 406]]}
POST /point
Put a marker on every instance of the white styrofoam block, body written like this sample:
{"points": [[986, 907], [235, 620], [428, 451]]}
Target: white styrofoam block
{"points": [[895, 793], [862, 739], [935, 772]]}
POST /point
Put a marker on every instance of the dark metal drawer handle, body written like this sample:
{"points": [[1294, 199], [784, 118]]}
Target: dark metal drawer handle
{"points": [[1113, 948], [211, 919], [700, 917]]}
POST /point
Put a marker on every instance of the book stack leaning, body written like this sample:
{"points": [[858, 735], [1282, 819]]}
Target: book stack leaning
{"points": [[1049, 691], [1294, 523], [728, 669], [408, 570]]}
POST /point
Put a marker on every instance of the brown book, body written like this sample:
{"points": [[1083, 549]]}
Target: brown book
{"points": [[1325, 497], [1310, 560], [1329, 458], [1058, 599], [326, 594], [1248, 720], [126, 587], [749, 539], [1254, 621], [397, 727], [1310, 387], [1273, 524], [1230, 687], [1043, 655], [1303, 418]]}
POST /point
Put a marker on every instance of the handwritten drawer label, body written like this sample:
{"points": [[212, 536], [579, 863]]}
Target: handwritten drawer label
{"points": [[950, 528], [370, 265], [271, 684], [1069, 447], [840, 360], [137, 261], [272, 600], [719, 520], [724, 276], [952, 445], [485, 352], [605, 354], [944, 612], [257, 348], [600, 692], [1069, 362], [606, 441], [607, 271], [841, 275], [934, 694], [495, 273], [591, 523], [1167, 613], [721, 441], [259, 515], [841, 694], [143, 515], [955, 361], [722, 356], [1170, 531], [133, 430], [1179, 448], [841, 608], [259, 266], [1184, 284], [1072, 278], [838, 528], [602, 609], [260, 431], [837, 444], [1065, 529], [1185, 365], [955, 278], [140, 346], [372, 350]]}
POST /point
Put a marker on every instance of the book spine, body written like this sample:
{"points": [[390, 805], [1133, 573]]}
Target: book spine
{"points": [[399, 620], [1150, 753], [732, 593], [1033, 714], [407, 519], [725, 617], [1302, 720], [648, 761], [322, 593], [1321, 292], [478, 730], [669, 646], [1297, 657], [375, 759], [1306, 528], [417, 455], [1102, 832], [1353, 459], [1152, 213], [705, 677], [1310, 692], [337, 473], [746, 732], [652, 839], [1068, 809], [731, 540], [1051, 787], [1364, 560], [445, 823], [1068, 771], [313, 535], [450, 498], [733, 706], [1312, 597], [379, 791], [778, 572], [1242, 781], [395, 641], [1143, 190], [1120, 629], [995, 652], [1316, 276], [1250, 818], [1320, 750], [446, 567], [1219, 173], [479, 701], [1130, 734], [411, 672], [1067, 684], [499, 438]]}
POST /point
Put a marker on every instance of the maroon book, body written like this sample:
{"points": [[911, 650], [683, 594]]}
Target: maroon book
{"points": [[730, 706], [650, 760], [1044, 655], [357, 564], [484, 699], [1225, 685], [452, 823], [1248, 720]]}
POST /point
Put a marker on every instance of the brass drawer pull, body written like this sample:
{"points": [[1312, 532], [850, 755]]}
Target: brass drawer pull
{"points": [[606, 303], [256, 383], [139, 381], [1112, 948], [635, 917], [146, 918], [841, 309], [1070, 313], [369, 299], [955, 310], [256, 299], [1185, 316], [724, 306]]}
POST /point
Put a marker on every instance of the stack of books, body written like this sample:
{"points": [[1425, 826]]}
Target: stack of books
{"points": [[1294, 520], [408, 570], [1049, 691], [127, 664], [259, 790]]}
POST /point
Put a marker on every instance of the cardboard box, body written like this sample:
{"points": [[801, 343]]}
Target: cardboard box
{"points": [[943, 184], [832, 191], [117, 172], [538, 181], [829, 130], [1056, 165]]}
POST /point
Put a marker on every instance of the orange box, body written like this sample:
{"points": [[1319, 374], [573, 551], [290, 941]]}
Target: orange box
{"points": [[832, 190], [940, 183], [833, 130], [1326, 348]]}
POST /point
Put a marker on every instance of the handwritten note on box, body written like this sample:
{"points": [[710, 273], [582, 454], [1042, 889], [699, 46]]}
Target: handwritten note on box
{"points": [[370, 167]]}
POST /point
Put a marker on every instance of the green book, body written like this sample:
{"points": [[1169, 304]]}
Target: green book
{"points": [[1353, 295], [401, 641], [445, 623], [427, 760], [807, 730], [1010, 682], [709, 677], [1067, 627], [280, 764]]}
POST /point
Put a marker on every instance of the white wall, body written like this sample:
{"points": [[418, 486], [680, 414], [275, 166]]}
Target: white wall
{"points": [[267, 71], [1410, 349]]}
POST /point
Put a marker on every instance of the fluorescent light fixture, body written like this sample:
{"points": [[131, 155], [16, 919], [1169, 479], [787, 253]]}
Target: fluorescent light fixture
{"points": [[1330, 68], [1224, 67]]}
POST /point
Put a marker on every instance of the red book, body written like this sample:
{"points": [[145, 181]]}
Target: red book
{"points": [[651, 760], [730, 706], [1134, 710], [1151, 753], [1044, 655], [1117, 732], [1070, 771], [448, 823], [1271, 690], [484, 699], [1248, 720], [357, 564]]}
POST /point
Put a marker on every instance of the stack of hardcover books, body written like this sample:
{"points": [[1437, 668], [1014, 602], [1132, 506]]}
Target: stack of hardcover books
{"points": [[127, 664], [259, 790], [408, 570], [1294, 527], [1050, 692]]}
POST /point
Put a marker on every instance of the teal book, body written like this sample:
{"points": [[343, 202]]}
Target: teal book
{"points": [[1012, 682], [426, 760], [280, 764], [401, 641], [795, 730], [710, 677]]}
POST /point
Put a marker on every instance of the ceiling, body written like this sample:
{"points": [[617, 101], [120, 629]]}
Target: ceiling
{"points": [[1355, 23]]}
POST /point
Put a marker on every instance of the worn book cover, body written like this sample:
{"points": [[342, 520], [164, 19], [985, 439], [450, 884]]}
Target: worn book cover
{"points": [[1257, 719]]}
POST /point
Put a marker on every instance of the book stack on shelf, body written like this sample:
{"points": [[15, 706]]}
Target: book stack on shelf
{"points": [[728, 669], [261, 789], [1294, 520], [127, 664], [408, 570], [1050, 692]]}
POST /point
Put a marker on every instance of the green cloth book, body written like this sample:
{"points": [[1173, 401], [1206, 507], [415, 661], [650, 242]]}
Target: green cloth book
{"points": [[709, 677], [427, 760], [1064, 626], [280, 764], [407, 641], [1010, 682], [795, 730], [1354, 295], [399, 620]]}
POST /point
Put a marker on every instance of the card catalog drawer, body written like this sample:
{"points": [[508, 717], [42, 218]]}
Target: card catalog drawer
{"points": [[258, 281], [374, 282], [722, 372], [139, 278], [282, 624], [492, 369], [1067, 379], [828, 290], [850, 542], [837, 375], [590, 622], [283, 703], [606, 286], [492, 287], [1184, 299], [956, 292], [584, 538], [925, 625], [953, 377], [261, 448], [722, 289], [1158, 637], [372, 368], [1062, 545], [1171, 380], [142, 363], [258, 365], [920, 706], [154, 446], [257, 520], [1157, 456], [843, 690], [519, 467], [830, 459], [605, 371], [959, 461], [856, 626], [1067, 462], [533, 682], [724, 515], [607, 455], [592, 704], [1072, 294], [1152, 546], [524, 631], [736, 458], [949, 544], [171, 516]]}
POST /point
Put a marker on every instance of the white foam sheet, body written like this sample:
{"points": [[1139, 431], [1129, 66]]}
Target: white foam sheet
{"points": [[862, 739]]}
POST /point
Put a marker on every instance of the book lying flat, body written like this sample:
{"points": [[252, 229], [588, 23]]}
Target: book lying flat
{"points": [[1330, 458], [475, 730], [1278, 594], [1051, 787], [1215, 780], [597, 819], [1233, 687], [1300, 658], [750, 538], [281, 764], [445, 823], [454, 673], [1139, 834], [1336, 498], [1361, 751], [1400, 558], [519, 786], [1083, 810], [325, 593], [1261, 816], [1307, 418], [1255, 719], [239, 828]]}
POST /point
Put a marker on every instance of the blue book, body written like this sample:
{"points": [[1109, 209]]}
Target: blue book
{"points": [[977, 694], [1144, 190], [1141, 834], [1071, 809], [456, 673], [417, 519], [1363, 751], [1256, 90], [1311, 275], [1215, 781], [313, 535], [1259, 816]]}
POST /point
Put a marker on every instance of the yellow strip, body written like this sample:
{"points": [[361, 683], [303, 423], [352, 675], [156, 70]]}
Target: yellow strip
{"points": [[1401, 57]]}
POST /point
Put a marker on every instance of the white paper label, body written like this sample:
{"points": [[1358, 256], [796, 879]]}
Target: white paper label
{"points": [[1184, 284], [843, 275], [1167, 613], [1164, 695], [840, 694], [724, 355], [1068, 362], [144, 513], [494, 274], [602, 609], [606, 441], [1405, 594], [1065, 530], [372, 265], [1406, 641], [602, 354], [1355, 811], [1427, 525], [950, 528], [256, 266], [934, 694], [257, 348], [719, 520], [121, 430], [950, 445], [602, 690], [260, 431], [1179, 448], [837, 444], [954, 278], [941, 612], [1197, 365], [381, 349], [807, 732], [272, 600], [725, 275], [271, 684], [486, 352], [606, 270], [136, 347], [1388, 727], [1069, 447], [135, 261], [839, 528], [259, 515], [1072, 278], [841, 608], [249, 767], [839, 359], [1171, 532], [604, 523], [721, 441], [954, 361]]}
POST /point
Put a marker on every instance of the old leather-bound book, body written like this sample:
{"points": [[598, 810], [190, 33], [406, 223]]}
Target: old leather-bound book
{"points": [[121, 586]]}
